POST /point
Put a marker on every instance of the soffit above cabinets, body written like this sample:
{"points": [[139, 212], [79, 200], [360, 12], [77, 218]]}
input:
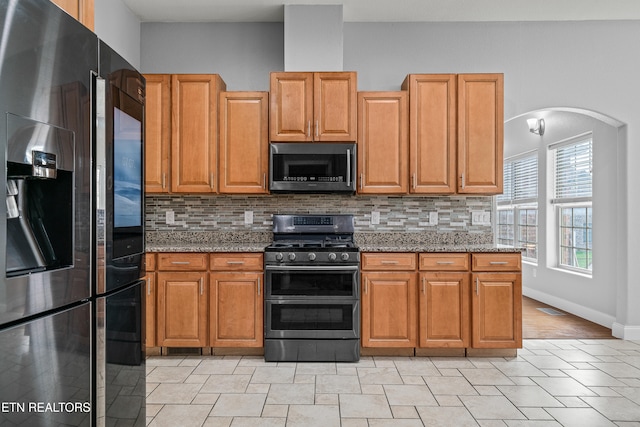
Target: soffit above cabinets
{"points": [[387, 10]]}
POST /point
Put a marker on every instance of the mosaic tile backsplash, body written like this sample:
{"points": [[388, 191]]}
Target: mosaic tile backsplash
{"points": [[397, 214]]}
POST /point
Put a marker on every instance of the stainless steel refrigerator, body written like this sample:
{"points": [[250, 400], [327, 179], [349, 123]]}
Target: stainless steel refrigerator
{"points": [[71, 227]]}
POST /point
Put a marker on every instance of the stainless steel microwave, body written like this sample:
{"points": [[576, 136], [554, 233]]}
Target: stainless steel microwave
{"points": [[312, 167]]}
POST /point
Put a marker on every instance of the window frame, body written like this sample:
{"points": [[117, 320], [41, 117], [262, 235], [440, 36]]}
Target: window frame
{"points": [[572, 201], [509, 201]]}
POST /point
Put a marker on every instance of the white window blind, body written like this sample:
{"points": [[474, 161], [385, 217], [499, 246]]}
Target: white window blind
{"points": [[573, 171], [520, 180]]}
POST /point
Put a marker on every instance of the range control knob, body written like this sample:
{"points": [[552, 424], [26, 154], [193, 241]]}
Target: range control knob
{"points": [[292, 256], [332, 256], [279, 257], [311, 256], [344, 256]]}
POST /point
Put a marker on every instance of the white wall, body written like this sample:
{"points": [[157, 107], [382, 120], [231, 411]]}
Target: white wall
{"points": [[595, 297], [118, 27], [242, 53], [591, 65], [313, 37]]}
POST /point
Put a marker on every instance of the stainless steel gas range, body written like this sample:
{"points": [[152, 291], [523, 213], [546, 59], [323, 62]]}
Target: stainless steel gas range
{"points": [[312, 299]]}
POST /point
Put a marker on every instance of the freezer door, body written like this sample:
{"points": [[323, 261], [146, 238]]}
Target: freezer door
{"points": [[120, 357], [46, 370]]}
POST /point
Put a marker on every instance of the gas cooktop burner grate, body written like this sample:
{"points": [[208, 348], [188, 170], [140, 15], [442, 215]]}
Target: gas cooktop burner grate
{"points": [[313, 244]]}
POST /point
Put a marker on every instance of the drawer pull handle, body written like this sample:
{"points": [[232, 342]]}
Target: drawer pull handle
{"points": [[235, 262], [258, 286], [390, 262], [444, 262], [180, 262], [498, 262]]}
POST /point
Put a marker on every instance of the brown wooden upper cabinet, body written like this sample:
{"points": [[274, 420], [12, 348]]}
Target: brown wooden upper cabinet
{"points": [[244, 142], [383, 142], [480, 133], [181, 128], [308, 107], [194, 132], [157, 133], [455, 133], [82, 10]]}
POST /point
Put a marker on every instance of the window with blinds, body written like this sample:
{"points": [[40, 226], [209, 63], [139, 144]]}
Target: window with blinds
{"points": [[573, 171], [572, 194], [520, 180], [517, 206]]}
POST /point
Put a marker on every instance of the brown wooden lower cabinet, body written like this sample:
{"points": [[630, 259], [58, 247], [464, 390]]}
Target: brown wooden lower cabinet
{"points": [[236, 307], [389, 309], [182, 308], [444, 319], [204, 300], [455, 301], [150, 300], [496, 310]]}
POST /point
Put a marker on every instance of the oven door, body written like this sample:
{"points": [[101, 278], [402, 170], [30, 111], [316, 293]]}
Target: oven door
{"points": [[325, 281], [315, 318]]}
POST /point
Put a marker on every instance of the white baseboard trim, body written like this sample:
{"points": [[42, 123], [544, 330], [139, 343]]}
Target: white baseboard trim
{"points": [[625, 332], [590, 314]]}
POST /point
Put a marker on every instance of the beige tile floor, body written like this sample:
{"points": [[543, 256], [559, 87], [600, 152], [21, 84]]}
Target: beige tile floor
{"points": [[569, 383]]}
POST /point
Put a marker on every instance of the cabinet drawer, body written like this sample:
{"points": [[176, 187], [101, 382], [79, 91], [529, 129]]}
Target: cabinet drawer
{"points": [[150, 261], [182, 261], [444, 262], [236, 261], [496, 262], [388, 261]]}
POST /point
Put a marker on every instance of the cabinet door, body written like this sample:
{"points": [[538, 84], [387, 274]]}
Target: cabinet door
{"points": [[157, 133], [82, 10], [150, 309], [480, 133], [444, 310], [194, 130], [496, 310], [151, 297], [236, 306], [334, 106], [182, 309], [432, 164], [382, 142], [244, 142], [389, 309], [291, 112]]}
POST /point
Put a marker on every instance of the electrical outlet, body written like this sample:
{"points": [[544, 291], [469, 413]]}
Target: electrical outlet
{"points": [[486, 218], [248, 217], [480, 218], [433, 218], [375, 217], [169, 218], [476, 217]]}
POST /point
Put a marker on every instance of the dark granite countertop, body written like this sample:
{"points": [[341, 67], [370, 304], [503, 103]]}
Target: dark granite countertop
{"points": [[231, 241]]}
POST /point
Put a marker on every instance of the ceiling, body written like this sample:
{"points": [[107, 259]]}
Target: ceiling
{"points": [[389, 10]]}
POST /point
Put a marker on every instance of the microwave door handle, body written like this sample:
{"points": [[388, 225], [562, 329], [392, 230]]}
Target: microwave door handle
{"points": [[348, 168]]}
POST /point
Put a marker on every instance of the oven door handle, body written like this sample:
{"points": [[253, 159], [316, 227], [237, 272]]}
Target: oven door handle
{"points": [[312, 267]]}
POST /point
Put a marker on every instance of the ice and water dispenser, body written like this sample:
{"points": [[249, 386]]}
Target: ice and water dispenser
{"points": [[40, 197]]}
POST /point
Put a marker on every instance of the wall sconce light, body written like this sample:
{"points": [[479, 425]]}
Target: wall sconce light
{"points": [[536, 126]]}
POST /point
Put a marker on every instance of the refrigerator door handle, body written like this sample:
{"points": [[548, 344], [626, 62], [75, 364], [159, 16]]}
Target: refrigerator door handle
{"points": [[100, 184]]}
